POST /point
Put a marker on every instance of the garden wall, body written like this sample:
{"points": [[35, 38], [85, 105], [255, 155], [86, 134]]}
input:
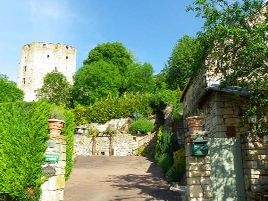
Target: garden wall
{"points": [[118, 145]]}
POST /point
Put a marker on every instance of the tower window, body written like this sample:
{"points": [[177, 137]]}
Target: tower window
{"points": [[55, 68], [24, 68], [23, 80], [66, 57], [48, 56], [67, 47]]}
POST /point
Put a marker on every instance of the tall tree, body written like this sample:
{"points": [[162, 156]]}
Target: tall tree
{"points": [[95, 81], [112, 52], [139, 78], [55, 89], [235, 36], [184, 58], [110, 70], [9, 92]]}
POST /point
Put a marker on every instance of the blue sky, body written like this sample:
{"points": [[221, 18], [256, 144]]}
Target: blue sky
{"points": [[148, 28]]}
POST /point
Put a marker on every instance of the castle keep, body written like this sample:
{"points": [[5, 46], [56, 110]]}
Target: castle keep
{"points": [[38, 59]]}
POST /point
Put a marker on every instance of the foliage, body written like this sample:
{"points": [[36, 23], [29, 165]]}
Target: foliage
{"points": [[113, 108], [166, 145], [96, 81], [55, 113], [234, 38], [162, 98], [110, 70], [92, 132], [114, 53], [185, 57], [141, 126], [68, 132], [141, 151], [177, 171], [55, 89], [23, 141], [23, 136], [9, 91], [138, 78]]}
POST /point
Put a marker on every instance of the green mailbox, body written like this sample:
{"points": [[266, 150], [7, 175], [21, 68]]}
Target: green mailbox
{"points": [[199, 147], [52, 157]]}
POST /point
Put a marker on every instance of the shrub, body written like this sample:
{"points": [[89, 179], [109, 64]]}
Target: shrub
{"points": [[23, 136], [113, 108], [23, 141], [92, 132], [142, 126], [68, 131], [165, 146], [178, 169]]}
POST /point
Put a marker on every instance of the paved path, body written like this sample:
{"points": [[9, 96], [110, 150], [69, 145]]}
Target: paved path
{"points": [[131, 178]]}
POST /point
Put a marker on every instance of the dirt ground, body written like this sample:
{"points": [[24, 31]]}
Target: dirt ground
{"points": [[102, 178]]}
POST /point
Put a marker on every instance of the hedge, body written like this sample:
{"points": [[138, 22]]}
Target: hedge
{"points": [[23, 136], [112, 108], [23, 141]]}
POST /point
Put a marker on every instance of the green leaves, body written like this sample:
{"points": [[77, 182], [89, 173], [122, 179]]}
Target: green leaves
{"points": [[235, 36], [184, 60], [112, 108], [9, 91], [141, 126], [55, 89], [23, 139], [110, 70]]}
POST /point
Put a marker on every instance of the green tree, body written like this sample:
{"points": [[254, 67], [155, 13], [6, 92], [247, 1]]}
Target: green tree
{"points": [[55, 89], [139, 78], [110, 70], [111, 52], [9, 91], [96, 81], [184, 58], [235, 37]]}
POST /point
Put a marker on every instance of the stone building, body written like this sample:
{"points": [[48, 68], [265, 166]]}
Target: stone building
{"points": [[38, 59], [236, 165]]}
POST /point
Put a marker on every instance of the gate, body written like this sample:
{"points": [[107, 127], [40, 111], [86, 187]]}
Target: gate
{"points": [[226, 169]]}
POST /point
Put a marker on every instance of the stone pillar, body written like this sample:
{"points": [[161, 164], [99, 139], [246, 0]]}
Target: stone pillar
{"points": [[255, 165], [54, 167], [197, 167]]}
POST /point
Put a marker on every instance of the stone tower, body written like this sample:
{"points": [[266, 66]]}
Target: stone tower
{"points": [[38, 59]]}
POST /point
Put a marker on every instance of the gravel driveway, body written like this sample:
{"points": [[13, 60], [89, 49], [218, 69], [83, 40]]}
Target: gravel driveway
{"points": [[102, 178]]}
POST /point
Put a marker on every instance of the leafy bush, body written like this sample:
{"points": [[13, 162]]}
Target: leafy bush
{"points": [[68, 131], [9, 91], [178, 169], [112, 108], [142, 126], [166, 145], [23, 136], [23, 141], [141, 151]]}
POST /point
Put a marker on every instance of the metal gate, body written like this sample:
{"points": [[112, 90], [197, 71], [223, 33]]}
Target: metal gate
{"points": [[226, 169]]}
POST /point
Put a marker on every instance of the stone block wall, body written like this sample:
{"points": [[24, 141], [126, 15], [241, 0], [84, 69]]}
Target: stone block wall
{"points": [[255, 165], [121, 144], [223, 114], [53, 187], [197, 172]]}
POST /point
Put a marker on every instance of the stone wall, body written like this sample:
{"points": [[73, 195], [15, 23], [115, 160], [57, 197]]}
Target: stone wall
{"points": [[255, 164], [53, 187], [222, 115], [119, 145], [197, 171]]}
